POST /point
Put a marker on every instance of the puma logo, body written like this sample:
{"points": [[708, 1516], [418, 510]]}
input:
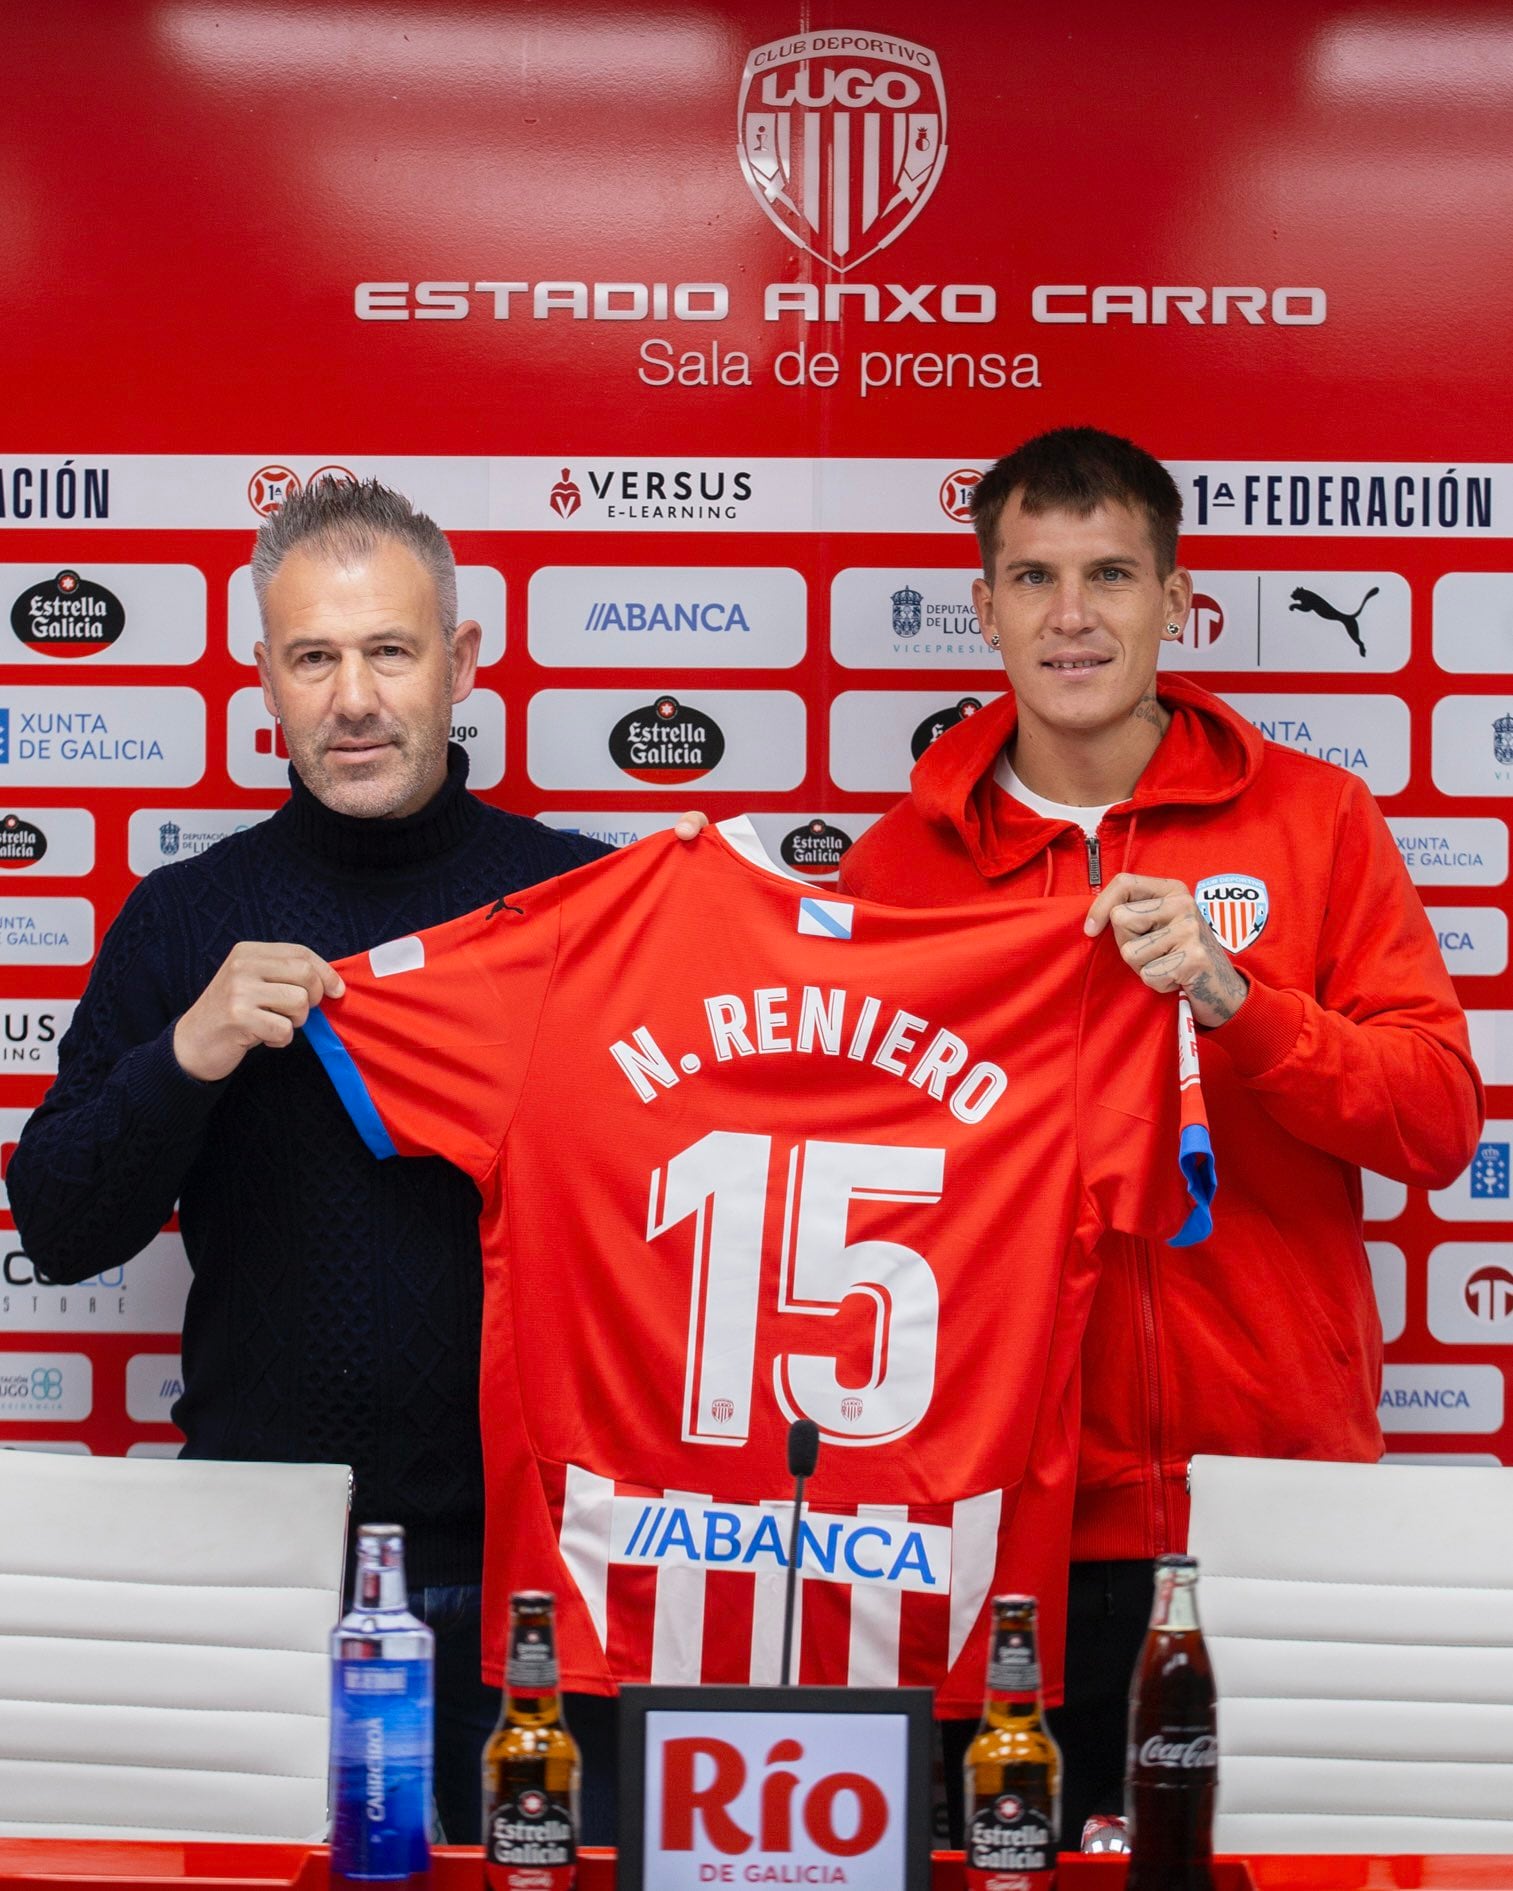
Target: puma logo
{"points": [[502, 905], [1306, 600]]}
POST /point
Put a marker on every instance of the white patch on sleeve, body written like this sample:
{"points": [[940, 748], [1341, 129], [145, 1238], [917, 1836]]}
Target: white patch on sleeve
{"points": [[397, 955]]}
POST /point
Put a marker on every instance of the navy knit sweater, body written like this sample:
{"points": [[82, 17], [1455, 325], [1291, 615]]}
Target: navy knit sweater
{"points": [[336, 1305]]}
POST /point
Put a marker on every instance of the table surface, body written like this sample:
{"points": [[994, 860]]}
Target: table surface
{"points": [[49, 1863]]}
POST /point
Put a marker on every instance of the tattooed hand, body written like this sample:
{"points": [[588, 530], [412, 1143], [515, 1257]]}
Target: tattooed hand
{"points": [[1162, 936]]}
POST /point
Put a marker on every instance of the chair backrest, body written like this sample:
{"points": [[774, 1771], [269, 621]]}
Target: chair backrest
{"points": [[1360, 1618], [163, 1646]]}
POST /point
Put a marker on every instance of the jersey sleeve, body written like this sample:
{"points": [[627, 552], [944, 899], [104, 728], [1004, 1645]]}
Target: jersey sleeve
{"points": [[1142, 1125], [429, 1045]]}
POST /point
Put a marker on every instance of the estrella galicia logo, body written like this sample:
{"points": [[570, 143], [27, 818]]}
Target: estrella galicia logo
{"points": [[666, 742], [169, 835], [815, 848], [68, 616], [938, 721], [1235, 905], [908, 612], [1502, 739], [21, 844]]}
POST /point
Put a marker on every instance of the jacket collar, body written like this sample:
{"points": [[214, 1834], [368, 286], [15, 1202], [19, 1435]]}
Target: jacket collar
{"points": [[1208, 755]]}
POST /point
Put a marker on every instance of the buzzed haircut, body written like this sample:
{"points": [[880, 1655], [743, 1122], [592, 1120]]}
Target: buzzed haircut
{"points": [[1078, 469], [340, 519]]}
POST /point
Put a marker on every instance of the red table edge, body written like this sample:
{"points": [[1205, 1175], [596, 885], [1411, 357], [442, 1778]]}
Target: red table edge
{"points": [[283, 1867]]}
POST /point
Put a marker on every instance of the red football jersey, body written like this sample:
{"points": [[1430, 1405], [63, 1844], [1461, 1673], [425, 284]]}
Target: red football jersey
{"points": [[748, 1154]]}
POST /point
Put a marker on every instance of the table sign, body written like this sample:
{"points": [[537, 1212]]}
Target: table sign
{"points": [[741, 1786]]}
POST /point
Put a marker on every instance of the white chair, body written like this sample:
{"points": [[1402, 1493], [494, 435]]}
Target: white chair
{"points": [[1360, 1619], [163, 1638]]}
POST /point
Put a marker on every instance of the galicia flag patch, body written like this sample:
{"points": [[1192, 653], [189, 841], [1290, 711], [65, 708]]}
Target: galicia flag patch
{"points": [[825, 919], [1235, 905]]}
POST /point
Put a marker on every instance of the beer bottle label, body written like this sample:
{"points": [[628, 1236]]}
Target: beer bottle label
{"points": [[531, 1667], [1014, 1666], [530, 1843], [1009, 1847]]}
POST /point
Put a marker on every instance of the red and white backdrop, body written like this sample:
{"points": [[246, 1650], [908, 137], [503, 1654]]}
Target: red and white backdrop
{"points": [[694, 326]]}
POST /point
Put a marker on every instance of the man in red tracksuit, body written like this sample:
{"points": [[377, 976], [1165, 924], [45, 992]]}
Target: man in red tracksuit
{"points": [[1266, 885]]}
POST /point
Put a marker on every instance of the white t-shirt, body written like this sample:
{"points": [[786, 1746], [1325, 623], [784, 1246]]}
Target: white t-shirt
{"points": [[1085, 818]]}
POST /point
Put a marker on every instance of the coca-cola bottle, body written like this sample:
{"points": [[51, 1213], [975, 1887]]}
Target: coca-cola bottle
{"points": [[1173, 1760]]}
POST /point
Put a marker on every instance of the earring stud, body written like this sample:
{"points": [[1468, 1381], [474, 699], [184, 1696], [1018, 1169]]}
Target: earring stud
{"points": [[993, 640], [1174, 630]]}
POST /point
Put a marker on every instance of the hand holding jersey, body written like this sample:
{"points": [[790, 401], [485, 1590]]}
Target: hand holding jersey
{"points": [[261, 994], [1163, 936], [818, 1174], [264, 991]]}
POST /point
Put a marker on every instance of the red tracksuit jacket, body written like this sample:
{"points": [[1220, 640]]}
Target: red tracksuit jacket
{"points": [[1350, 1052]]}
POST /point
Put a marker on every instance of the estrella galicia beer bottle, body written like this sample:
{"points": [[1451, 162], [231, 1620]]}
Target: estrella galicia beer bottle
{"points": [[1013, 1766], [531, 1764], [1173, 1760], [382, 1695]]}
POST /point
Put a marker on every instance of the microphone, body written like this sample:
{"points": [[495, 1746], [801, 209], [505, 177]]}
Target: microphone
{"points": [[803, 1455]]}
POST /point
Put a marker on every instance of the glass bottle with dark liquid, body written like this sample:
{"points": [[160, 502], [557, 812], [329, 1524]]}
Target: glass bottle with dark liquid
{"points": [[1173, 1764]]}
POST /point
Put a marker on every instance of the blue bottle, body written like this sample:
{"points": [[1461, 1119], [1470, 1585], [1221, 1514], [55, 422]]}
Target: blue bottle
{"points": [[383, 1663]]}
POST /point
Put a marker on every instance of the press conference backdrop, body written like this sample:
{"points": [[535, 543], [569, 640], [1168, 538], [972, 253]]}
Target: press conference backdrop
{"points": [[694, 327]]}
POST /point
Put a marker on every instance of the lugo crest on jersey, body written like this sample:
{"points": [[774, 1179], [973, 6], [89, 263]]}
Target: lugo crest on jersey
{"points": [[1236, 905]]}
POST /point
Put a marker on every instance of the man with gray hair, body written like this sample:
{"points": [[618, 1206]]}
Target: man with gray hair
{"points": [[335, 1309]]}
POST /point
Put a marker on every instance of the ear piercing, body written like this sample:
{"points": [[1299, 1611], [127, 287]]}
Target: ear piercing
{"points": [[1173, 631]]}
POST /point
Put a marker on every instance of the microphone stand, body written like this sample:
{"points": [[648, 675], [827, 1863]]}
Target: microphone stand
{"points": [[803, 1455], [790, 1597]]}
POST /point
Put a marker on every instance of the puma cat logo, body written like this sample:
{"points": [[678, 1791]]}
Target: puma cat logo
{"points": [[1305, 600]]}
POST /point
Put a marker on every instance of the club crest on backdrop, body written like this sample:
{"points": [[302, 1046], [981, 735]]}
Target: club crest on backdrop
{"points": [[842, 138]]}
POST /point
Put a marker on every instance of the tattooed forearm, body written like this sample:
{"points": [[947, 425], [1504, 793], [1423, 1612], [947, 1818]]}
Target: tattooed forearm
{"points": [[1220, 990]]}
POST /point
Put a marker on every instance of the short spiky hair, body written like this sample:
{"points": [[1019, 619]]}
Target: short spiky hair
{"points": [[337, 518], [1077, 469]]}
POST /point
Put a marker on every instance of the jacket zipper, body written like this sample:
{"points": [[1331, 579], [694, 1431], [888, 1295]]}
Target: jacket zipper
{"points": [[1154, 1401], [1161, 1521]]}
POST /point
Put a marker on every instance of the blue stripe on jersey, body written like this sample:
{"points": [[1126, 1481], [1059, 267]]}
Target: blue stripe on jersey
{"points": [[350, 1087], [1196, 1158]]}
